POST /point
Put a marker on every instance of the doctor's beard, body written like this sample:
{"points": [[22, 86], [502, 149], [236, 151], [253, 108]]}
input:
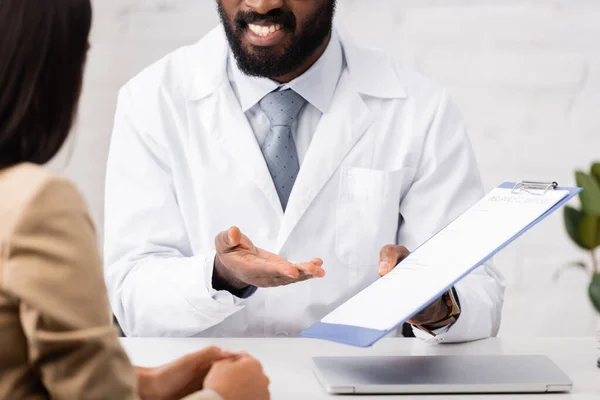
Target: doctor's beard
{"points": [[271, 62]]}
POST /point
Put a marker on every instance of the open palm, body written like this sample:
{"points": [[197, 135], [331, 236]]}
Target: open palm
{"points": [[243, 264]]}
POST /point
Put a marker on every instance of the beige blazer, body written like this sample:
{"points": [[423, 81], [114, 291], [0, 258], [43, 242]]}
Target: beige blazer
{"points": [[56, 336]]}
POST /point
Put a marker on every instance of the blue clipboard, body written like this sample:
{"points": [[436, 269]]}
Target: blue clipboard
{"points": [[363, 337]]}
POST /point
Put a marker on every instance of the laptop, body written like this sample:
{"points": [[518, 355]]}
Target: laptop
{"points": [[440, 374]]}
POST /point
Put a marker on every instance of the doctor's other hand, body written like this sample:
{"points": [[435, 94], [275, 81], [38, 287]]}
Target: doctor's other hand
{"points": [[389, 257], [179, 378], [241, 264], [238, 379]]}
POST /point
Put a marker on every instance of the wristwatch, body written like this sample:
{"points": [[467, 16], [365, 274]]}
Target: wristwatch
{"points": [[450, 299]]}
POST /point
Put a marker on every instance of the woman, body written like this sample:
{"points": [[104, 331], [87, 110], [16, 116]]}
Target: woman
{"points": [[55, 327]]}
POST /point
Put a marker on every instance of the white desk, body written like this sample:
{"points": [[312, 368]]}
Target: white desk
{"points": [[288, 361]]}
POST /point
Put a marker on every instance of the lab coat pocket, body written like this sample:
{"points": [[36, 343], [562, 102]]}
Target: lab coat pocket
{"points": [[367, 213]]}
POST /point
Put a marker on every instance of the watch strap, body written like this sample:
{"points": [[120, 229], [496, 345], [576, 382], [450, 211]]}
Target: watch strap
{"points": [[451, 300]]}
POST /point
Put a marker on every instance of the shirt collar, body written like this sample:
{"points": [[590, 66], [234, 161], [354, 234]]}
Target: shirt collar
{"points": [[317, 85]]}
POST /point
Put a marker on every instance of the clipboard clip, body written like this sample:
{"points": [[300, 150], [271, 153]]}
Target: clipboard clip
{"points": [[534, 188]]}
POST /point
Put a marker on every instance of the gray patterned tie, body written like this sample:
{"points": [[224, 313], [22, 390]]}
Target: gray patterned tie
{"points": [[279, 149]]}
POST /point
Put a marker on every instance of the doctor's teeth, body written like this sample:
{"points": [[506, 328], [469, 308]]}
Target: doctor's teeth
{"points": [[264, 30]]}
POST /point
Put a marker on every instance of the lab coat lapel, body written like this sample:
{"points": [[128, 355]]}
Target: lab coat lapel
{"points": [[235, 134], [338, 131], [219, 109]]}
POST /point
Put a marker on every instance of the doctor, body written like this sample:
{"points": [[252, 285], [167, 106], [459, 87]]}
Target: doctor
{"points": [[328, 161]]}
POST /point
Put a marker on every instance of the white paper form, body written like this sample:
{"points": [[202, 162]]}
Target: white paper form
{"points": [[444, 259]]}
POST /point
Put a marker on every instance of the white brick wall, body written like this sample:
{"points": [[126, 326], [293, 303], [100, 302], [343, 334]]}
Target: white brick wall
{"points": [[526, 74]]}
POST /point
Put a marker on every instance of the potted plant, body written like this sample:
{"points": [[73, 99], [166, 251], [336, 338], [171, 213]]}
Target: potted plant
{"points": [[583, 227]]}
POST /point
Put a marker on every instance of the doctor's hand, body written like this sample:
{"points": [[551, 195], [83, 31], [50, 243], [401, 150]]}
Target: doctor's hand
{"points": [[241, 264], [389, 257]]}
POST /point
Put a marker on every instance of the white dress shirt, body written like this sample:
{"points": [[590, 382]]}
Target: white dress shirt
{"points": [[317, 86]]}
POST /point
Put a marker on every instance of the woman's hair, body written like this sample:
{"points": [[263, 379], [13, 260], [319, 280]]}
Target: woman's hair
{"points": [[43, 47]]}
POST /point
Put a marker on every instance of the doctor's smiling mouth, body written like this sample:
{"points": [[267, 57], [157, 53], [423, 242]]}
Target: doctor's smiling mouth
{"points": [[281, 42]]}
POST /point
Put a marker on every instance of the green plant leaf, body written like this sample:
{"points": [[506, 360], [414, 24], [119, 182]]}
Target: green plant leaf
{"points": [[590, 196], [596, 171], [589, 231], [573, 220], [594, 291]]}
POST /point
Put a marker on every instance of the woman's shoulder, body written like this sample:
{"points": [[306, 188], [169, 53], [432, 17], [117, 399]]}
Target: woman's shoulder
{"points": [[30, 188]]}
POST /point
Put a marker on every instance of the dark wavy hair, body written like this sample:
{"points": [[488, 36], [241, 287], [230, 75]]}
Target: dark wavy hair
{"points": [[43, 48]]}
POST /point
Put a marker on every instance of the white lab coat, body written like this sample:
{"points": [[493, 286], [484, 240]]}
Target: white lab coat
{"points": [[390, 162]]}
